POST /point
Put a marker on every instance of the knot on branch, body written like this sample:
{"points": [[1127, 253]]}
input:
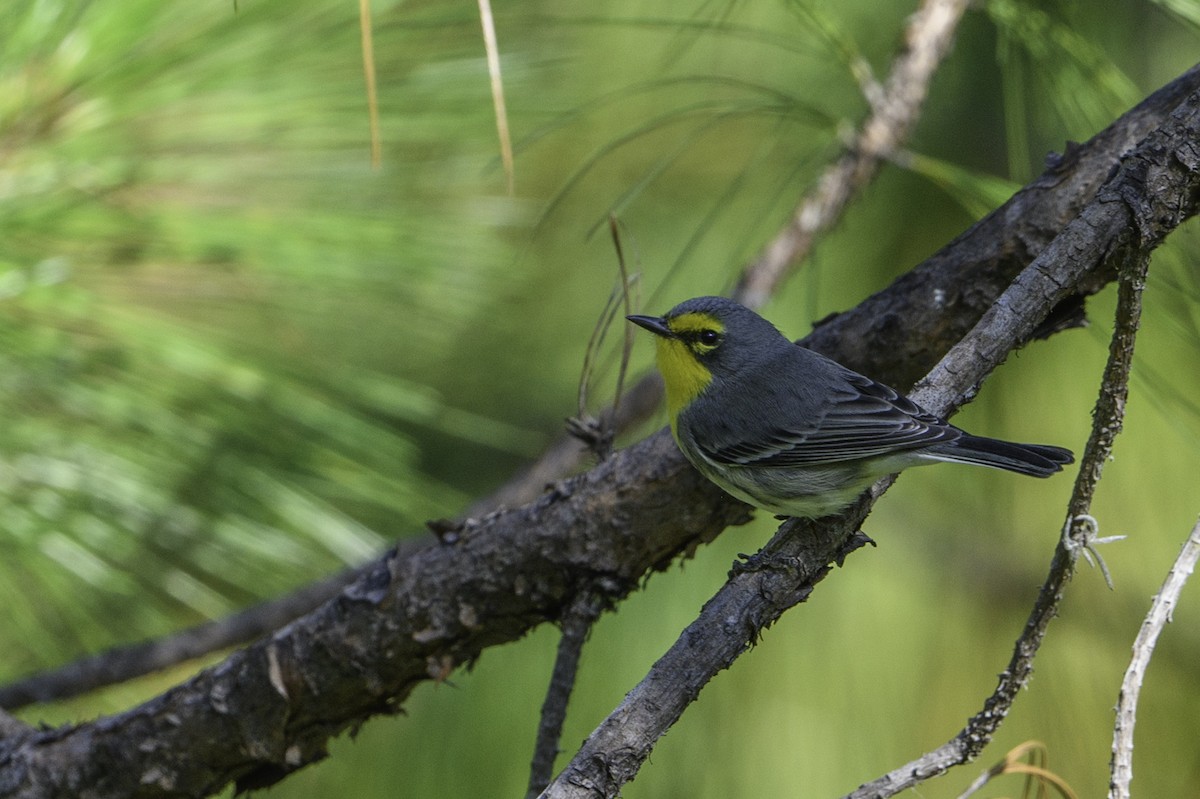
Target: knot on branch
{"points": [[1081, 534]]}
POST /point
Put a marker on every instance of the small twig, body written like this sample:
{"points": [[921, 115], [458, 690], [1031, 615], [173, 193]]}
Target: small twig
{"points": [[626, 284], [593, 431], [576, 624], [1143, 647], [598, 433]]}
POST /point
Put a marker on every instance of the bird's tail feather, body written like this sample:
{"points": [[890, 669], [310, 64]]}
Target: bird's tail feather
{"points": [[1036, 460]]}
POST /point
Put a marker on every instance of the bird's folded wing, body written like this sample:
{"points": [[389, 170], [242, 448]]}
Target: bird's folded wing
{"points": [[870, 421]]}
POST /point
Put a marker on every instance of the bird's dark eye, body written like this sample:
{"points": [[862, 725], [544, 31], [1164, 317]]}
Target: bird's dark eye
{"points": [[709, 338]]}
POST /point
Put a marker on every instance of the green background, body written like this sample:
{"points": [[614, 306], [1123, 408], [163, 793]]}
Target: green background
{"points": [[234, 357]]}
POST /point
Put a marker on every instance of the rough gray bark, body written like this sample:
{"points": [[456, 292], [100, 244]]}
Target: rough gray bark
{"points": [[270, 708]]}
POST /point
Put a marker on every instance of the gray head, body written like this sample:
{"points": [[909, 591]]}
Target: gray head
{"points": [[723, 336]]}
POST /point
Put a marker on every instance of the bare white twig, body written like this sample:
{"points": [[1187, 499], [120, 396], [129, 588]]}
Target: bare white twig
{"points": [[1143, 647]]}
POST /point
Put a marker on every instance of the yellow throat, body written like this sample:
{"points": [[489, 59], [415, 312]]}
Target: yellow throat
{"points": [[683, 373]]}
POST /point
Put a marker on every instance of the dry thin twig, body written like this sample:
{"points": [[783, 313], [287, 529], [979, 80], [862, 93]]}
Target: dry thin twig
{"points": [[1143, 647], [1035, 770], [576, 624], [598, 433]]}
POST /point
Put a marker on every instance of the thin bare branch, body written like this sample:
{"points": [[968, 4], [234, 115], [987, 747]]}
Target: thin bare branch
{"points": [[125, 663], [598, 433], [576, 624], [1143, 647]]}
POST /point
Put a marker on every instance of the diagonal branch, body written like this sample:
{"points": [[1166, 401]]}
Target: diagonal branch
{"points": [[785, 573]]}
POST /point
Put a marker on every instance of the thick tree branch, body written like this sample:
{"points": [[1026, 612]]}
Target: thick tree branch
{"points": [[11, 727], [927, 310], [269, 709]]}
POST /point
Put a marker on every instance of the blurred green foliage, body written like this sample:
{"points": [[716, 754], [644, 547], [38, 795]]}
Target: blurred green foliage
{"points": [[233, 357]]}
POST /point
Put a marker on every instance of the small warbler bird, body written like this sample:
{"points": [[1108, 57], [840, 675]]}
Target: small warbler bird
{"points": [[791, 431]]}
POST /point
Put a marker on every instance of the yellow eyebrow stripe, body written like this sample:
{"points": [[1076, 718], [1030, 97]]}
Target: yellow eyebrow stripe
{"points": [[694, 322]]}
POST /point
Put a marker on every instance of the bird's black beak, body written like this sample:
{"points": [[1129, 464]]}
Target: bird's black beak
{"points": [[655, 324]]}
